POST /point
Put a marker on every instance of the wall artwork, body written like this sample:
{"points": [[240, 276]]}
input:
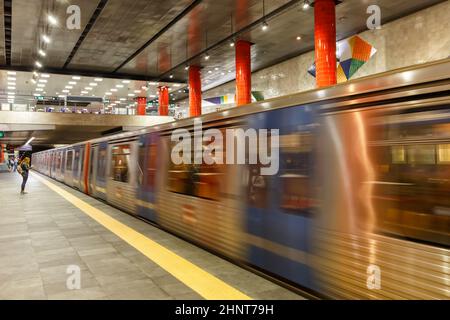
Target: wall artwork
{"points": [[352, 54]]}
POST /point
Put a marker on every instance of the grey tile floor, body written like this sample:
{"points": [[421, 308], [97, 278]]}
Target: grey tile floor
{"points": [[41, 234]]}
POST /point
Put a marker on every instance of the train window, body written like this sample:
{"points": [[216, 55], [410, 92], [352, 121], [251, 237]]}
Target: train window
{"points": [[76, 163], [422, 154], [444, 153], [82, 160], [120, 160], [63, 158], [411, 184], [69, 160], [198, 180], [151, 166], [58, 160], [295, 171], [398, 154], [101, 169]]}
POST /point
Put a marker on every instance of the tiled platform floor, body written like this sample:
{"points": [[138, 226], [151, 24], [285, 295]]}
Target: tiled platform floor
{"points": [[41, 234]]}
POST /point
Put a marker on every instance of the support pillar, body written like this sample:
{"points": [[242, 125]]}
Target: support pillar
{"points": [[243, 73], [141, 106], [325, 42], [195, 92], [2, 157], [163, 101]]}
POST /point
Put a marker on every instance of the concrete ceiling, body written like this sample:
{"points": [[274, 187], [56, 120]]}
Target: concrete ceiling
{"points": [[152, 39]]}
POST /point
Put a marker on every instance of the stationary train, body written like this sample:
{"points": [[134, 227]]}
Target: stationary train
{"points": [[359, 208]]}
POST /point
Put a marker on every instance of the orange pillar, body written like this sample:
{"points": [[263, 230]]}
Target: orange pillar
{"points": [[195, 92], [325, 42], [2, 157], [141, 106], [243, 73], [163, 101]]}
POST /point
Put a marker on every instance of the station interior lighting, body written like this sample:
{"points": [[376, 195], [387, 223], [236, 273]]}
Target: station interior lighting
{"points": [[29, 141]]}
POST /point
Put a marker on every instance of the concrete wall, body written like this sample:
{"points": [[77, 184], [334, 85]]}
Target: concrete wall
{"points": [[418, 38]]}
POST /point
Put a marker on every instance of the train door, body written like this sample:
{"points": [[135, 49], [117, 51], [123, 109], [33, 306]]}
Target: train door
{"points": [[54, 161], [280, 207], [92, 170], [100, 170], [147, 164], [68, 177], [77, 167], [122, 178], [63, 164]]}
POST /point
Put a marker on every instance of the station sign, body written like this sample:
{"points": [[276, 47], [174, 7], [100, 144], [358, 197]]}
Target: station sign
{"points": [[2, 134]]}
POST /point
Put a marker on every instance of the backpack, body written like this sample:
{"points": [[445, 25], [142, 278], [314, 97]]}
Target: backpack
{"points": [[19, 169]]}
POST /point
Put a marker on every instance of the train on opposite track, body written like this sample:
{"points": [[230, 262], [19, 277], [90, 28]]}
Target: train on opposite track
{"points": [[360, 205]]}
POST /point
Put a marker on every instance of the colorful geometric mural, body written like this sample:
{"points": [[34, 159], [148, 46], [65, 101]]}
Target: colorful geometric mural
{"points": [[352, 54]]}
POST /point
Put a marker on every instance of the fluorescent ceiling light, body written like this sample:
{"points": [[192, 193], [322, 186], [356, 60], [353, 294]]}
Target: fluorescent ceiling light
{"points": [[137, 91], [98, 79], [11, 73], [39, 89], [45, 75], [177, 85], [113, 89], [122, 99], [11, 88], [69, 87], [11, 79], [93, 84], [46, 39], [53, 21], [30, 140], [108, 93], [119, 85], [41, 85], [43, 80], [84, 92], [73, 82], [131, 94], [41, 53], [38, 64], [65, 91], [76, 78], [126, 81]]}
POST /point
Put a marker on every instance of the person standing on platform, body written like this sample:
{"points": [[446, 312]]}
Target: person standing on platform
{"points": [[15, 164], [24, 168]]}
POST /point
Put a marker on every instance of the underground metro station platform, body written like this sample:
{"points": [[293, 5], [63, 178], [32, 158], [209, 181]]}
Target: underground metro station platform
{"points": [[225, 158]]}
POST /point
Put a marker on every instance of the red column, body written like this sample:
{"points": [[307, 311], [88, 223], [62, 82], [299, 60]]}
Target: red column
{"points": [[141, 106], [195, 91], [325, 42], [2, 157], [163, 101], [243, 73]]}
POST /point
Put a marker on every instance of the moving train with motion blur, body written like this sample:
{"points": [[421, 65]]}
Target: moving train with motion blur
{"points": [[360, 205]]}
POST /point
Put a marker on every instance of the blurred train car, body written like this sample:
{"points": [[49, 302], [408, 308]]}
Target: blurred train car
{"points": [[359, 208]]}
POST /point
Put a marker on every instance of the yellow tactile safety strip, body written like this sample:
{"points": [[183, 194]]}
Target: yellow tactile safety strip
{"points": [[202, 282]]}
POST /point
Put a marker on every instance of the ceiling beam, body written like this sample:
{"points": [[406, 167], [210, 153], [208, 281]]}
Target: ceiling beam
{"points": [[86, 30], [160, 33], [7, 18]]}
